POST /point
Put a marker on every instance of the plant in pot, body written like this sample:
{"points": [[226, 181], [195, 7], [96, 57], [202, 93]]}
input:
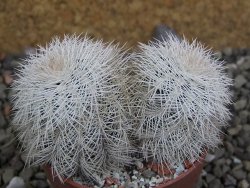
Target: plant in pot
{"points": [[70, 109], [181, 95], [94, 116]]}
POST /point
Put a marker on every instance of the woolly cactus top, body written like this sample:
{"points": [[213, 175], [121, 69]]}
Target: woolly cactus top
{"points": [[183, 93], [69, 106], [72, 102]]}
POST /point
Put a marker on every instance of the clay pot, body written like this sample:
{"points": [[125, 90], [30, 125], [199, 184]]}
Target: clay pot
{"points": [[187, 179], [56, 183]]}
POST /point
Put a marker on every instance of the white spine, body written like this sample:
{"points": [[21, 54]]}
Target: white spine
{"points": [[182, 95], [70, 109]]}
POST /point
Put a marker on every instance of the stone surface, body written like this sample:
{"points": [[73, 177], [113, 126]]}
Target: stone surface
{"points": [[243, 184], [16, 163], [225, 169], [244, 116], [2, 91], [40, 175], [209, 157], [2, 122], [218, 171], [247, 165], [148, 173], [236, 160], [16, 182], [237, 167], [26, 174], [139, 165], [240, 104], [240, 81], [219, 153], [230, 147], [130, 185], [3, 136], [215, 184], [8, 174], [209, 177], [39, 183], [244, 63], [239, 174], [230, 180], [8, 150], [227, 164]]}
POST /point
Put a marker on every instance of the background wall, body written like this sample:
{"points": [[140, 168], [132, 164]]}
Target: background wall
{"points": [[218, 24]]}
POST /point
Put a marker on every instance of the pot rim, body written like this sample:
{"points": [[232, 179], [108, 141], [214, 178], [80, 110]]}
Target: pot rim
{"points": [[196, 164]]}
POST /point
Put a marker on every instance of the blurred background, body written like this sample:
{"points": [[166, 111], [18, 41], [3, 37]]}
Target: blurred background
{"points": [[218, 24], [221, 25]]}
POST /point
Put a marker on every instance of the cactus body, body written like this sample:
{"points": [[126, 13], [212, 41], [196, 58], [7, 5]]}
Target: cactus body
{"points": [[69, 107], [182, 95]]}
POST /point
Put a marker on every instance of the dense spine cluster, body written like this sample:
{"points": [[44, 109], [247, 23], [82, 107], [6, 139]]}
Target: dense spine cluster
{"points": [[182, 95], [81, 104], [70, 107]]}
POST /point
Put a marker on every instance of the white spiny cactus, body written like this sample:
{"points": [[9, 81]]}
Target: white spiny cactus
{"points": [[183, 93], [70, 105]]}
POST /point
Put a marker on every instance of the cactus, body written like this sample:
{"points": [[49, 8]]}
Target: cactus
{"points": [[182, 94], [74, 98], [70, 107]]}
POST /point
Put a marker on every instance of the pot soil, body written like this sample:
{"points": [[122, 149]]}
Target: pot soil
{"points": [[186, 179]]}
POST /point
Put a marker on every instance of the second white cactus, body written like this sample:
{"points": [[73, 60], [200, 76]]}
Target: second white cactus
{"points": [[182, 95]]}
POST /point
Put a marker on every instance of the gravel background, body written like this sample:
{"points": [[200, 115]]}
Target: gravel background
{"points": [[229, 166]]}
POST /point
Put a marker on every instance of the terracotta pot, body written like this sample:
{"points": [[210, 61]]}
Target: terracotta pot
{"points": [[187, 179]]}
